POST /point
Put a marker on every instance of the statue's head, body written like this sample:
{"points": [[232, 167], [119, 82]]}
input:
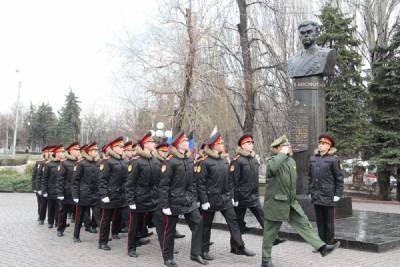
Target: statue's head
{"points": [[308, 32]]}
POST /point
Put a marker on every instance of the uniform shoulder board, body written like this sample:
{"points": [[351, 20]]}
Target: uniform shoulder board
{"points": [[236, 157], [169, 157]]}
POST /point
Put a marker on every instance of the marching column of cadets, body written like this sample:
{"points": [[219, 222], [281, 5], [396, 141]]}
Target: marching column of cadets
{"points": [[131, 187]]}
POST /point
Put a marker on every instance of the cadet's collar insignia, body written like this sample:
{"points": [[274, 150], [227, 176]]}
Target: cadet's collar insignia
{"points": [[75, 168], [169, 157], [129, 168], [101, 167], [59, 168], [232, 168], [163, 168]]}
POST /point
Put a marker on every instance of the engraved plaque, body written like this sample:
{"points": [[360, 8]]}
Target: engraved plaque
{"points": [[299, 123]]}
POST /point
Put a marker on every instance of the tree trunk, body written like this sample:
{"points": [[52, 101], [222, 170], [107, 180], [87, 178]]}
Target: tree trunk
{"points": [[384, 184], [180, 112], [248, 79]]}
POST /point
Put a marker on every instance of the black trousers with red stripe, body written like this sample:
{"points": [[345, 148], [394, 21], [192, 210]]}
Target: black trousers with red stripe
{"points": [[43, 208], [256, 210], [62, 216], [233, 226], [195, 223], [136, 221], [325, 217], [39, 204], [157, 218], [108, 215], [80, 212], [53, 208]]}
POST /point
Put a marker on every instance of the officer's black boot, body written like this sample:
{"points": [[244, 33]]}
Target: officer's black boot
{"points": [[327, 249], [266, 264]]}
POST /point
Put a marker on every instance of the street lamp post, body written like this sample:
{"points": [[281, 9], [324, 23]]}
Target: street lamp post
{"points": [[14, 147]]}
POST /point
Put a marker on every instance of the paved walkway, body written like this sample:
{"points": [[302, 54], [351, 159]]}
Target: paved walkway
{"points": [[25, 243]]}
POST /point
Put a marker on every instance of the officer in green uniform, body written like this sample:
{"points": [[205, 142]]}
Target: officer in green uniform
{"points": [[280, 203]]}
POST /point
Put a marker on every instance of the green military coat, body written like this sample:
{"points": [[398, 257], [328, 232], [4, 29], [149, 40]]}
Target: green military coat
{"points": [[280, 194]]}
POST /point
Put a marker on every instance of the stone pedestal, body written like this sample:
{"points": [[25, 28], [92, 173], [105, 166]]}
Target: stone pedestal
{"points": [[344, 207], [307, 122]]}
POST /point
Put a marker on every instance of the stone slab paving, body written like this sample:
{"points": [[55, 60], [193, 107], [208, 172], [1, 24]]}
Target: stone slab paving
{"points": [[25, 243]]}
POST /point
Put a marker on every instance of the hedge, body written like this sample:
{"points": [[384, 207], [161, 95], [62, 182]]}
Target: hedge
{"points": [[11, 181], [13, 162]]}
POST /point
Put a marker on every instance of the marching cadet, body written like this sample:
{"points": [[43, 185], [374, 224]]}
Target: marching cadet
{"points": [[325, 186], [141, 189], [36, 174], [51, 172], [215, 189], [160, 154], [110, 189], [178, 196], [48, 153], [64, 183], [84, 188], [280, 203], [127, 156], [244, 171], [89, 221]]}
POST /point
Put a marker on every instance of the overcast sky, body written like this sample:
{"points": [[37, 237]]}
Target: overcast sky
{"points": [[65, 43]]}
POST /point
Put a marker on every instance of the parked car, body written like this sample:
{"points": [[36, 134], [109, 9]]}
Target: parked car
{"points": [[393, 182]]}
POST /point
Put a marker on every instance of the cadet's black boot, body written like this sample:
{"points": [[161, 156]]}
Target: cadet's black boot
{"points": [[327, 249], [278, 240], [93, 230], [104, 247], [207, 256], [242, 251], [199, 259], [124, 230], [170, 263], [115, 237], [50, 226], [77, 240], [60, 233], [41, 222], [179, 235], [266, 264], [142, 242], [132, 253]]}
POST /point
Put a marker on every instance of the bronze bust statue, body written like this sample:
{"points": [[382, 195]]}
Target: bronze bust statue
{"points": [[312, 60]]}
